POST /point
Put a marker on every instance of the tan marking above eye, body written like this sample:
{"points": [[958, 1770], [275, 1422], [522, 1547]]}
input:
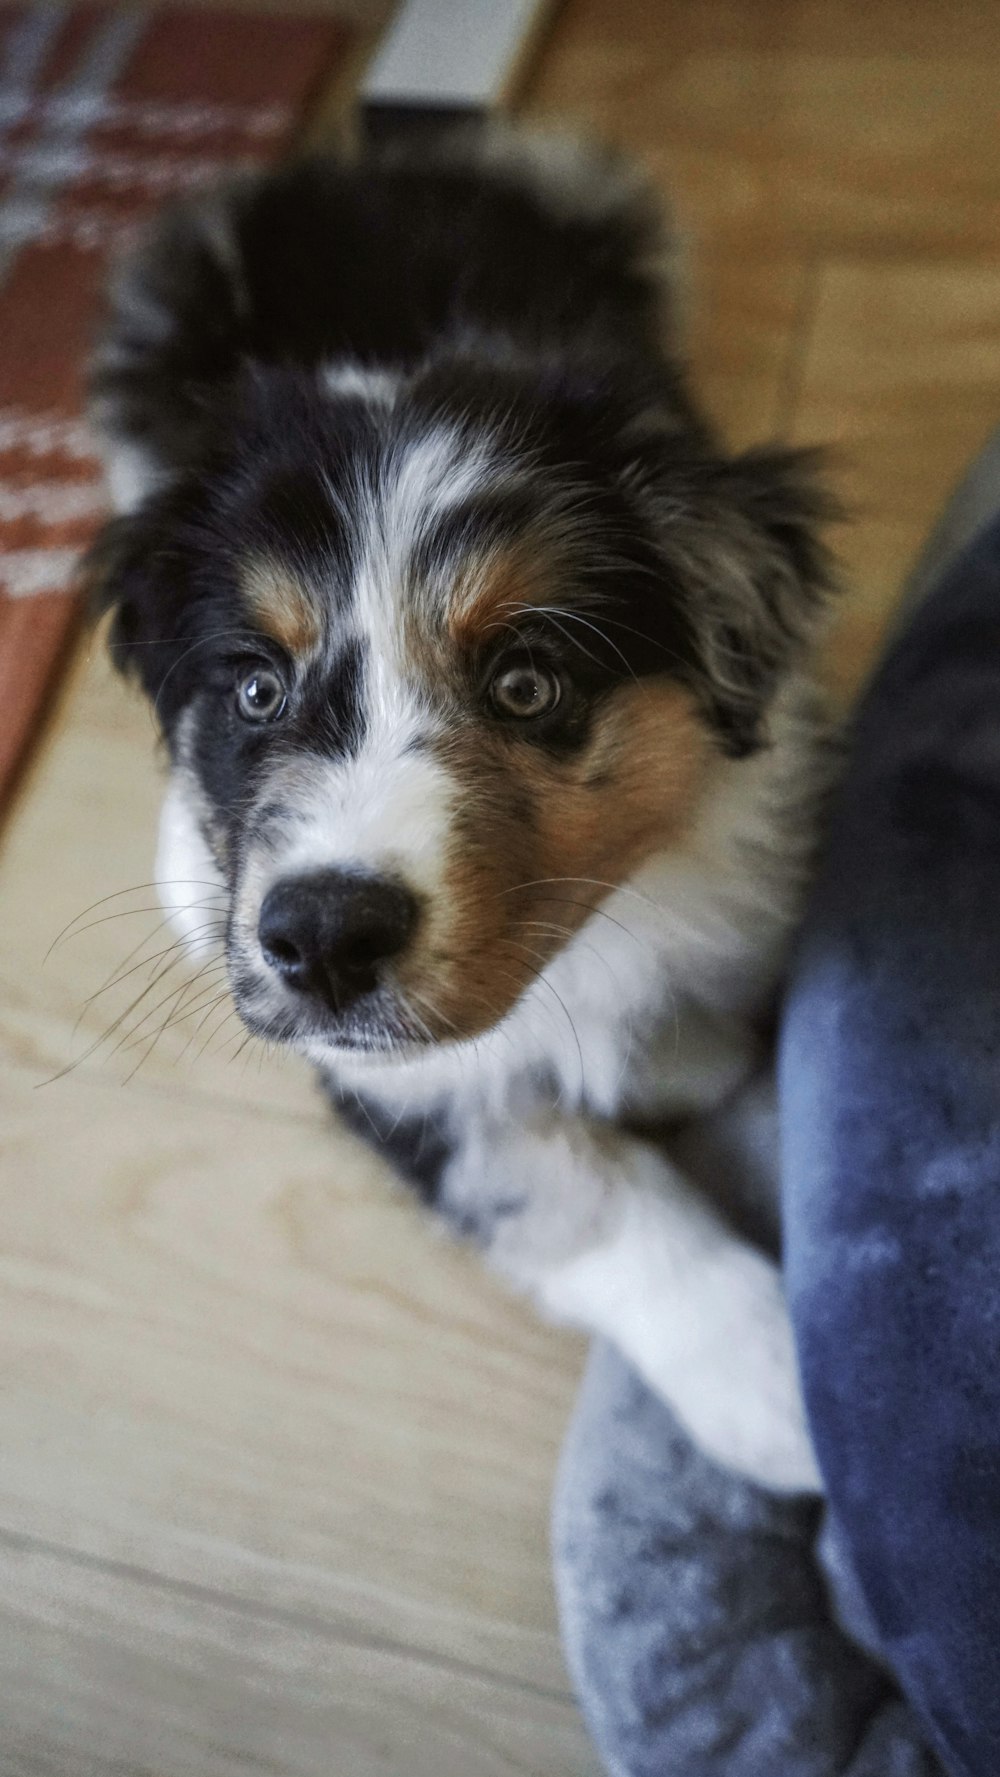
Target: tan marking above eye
{"points": [[491, 590], [281, 605]]}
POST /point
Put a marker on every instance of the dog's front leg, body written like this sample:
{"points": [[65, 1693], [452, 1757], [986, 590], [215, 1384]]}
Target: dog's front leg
{"points": [[606, 1234]]}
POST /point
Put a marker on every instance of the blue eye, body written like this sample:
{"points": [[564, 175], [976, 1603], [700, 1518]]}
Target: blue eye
{"points": [[525, 691], [261, 696]]}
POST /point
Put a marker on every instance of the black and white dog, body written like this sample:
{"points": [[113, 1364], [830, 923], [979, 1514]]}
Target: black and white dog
{"points": [[482, 668]]}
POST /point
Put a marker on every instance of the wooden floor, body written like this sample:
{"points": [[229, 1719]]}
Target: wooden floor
{"points": [[274, 1461], [834, 166]]}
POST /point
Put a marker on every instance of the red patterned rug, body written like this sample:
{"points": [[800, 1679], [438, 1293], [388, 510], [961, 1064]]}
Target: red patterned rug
{"points": [[103, 114]]}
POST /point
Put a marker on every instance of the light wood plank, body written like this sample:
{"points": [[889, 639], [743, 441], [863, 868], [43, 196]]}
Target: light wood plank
{"points": [[740, 316], [232, 1353], [829, 125], [902, 378], [104, 1672], [835, 173]]}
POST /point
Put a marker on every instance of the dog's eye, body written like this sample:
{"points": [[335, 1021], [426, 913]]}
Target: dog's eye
{"points": [[525, 691], [261, 696]]}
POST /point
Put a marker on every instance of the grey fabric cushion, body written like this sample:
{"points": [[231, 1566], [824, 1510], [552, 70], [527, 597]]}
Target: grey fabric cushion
{"points": [[890, 1092], [696, 1617]]}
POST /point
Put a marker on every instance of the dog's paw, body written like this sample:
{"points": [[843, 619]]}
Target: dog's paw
{"points": [[702, 1316]]}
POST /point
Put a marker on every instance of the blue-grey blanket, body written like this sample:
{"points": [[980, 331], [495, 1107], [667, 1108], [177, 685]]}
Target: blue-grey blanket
{"points": [[698, 1620], [891, 1082]]}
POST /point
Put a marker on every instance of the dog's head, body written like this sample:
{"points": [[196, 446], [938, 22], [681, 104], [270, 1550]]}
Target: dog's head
{"points": [[442, 655]]}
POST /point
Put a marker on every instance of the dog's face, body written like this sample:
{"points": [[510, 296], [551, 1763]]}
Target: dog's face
{"points": [[441, 661]]}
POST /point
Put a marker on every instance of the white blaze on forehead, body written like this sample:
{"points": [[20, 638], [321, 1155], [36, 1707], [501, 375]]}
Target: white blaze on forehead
{"points": [[432, 474], [421, 480], [388, 808], [391, 807], [346, 376]]}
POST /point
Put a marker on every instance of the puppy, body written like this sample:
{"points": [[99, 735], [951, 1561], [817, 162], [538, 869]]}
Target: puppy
{"points": [[483, 669]]}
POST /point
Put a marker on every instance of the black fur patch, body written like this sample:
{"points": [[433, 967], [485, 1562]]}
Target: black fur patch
{"points": [[379, 259], [333, 721], [418, 1148]]}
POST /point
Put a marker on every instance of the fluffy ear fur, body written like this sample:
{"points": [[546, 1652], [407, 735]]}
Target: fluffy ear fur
{"points": [[743, 537], [174, 332], [163, 606], [722, 567], [731, 576]]}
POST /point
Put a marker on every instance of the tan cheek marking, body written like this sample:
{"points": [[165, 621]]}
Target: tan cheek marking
{"points": [[475, 970], [281, 606], [527, 817], [634, 792]]}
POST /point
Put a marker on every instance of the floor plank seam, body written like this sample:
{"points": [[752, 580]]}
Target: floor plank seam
{"points": [[280, 1615], [792, 380]]}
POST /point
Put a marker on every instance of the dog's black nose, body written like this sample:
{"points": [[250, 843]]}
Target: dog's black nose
{"points": [[328, 933]]}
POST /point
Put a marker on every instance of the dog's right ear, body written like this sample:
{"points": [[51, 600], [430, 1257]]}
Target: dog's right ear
{"points": [[131, 570], [173, 336]]}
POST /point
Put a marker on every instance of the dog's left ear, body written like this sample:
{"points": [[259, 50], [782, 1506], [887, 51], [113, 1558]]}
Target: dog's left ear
{"points": [[745, 543]]}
